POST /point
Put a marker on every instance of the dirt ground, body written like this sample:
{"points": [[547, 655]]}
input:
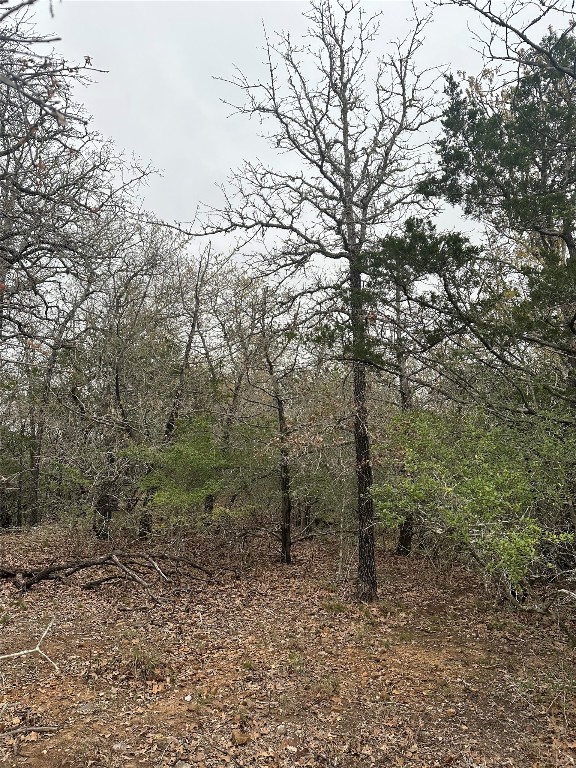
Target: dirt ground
{"points": [[276, 666]]}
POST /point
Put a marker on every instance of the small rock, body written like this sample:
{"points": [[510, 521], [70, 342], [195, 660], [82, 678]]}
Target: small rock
{"points": [[120, 746], [87, 708], [182, 764], [282, 729], [188, 697]]}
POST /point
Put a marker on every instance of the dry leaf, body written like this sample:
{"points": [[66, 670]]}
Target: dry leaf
{"points": [[240, 739]]}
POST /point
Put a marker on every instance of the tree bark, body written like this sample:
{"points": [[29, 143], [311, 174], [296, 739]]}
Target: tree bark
{"points": [[406, 528], [367, 589], [405, 535], [285, 492], [283, 471]]}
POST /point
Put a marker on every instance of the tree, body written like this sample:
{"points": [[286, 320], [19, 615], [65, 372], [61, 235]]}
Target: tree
{"points": [[30, 77], [277, 336], [356, 161], [60, 184], [508, 153], [508, 157], [511, 31], [62, 192]]}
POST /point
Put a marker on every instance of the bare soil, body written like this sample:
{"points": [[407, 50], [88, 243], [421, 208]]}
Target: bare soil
{"points": [[278, 667]]}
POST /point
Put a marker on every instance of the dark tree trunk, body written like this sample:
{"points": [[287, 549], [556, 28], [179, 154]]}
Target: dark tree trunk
{"points": [[285, 490], [304, 511], [283, 469], [367, 583], [36, 444], [5, 512], [106, 506], [209, 502], [406, 529], [144, 524], [405, 535], [20, 503], [286, 511]]}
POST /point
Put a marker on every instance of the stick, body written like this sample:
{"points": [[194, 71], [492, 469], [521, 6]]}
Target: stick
{"points": [[157, 568], [129, 572]]}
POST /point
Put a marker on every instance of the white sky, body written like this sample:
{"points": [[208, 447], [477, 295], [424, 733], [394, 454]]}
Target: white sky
{"points": [[159, 99]]}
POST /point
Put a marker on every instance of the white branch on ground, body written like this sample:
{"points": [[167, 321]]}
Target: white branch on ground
{"points": [[36, 649]]}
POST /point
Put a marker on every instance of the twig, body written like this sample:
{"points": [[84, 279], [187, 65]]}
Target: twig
{"points": [[186, 560], [157, 568]]}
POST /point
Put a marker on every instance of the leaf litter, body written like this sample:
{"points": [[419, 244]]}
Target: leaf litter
{"points": [[278, 666]]}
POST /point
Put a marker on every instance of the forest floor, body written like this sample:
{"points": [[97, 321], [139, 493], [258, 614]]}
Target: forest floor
{"points": [[277, 666]]}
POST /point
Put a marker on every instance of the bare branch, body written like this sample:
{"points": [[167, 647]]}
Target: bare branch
{"points": [[36, 649]]}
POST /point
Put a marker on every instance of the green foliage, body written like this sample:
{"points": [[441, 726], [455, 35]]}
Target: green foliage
{"points": [[186, 471], [479, 485], [508, 154], [419, 251]]}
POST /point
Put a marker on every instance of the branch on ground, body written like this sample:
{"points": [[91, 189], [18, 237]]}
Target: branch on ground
{"points": [[36, 649], [127, 566]]}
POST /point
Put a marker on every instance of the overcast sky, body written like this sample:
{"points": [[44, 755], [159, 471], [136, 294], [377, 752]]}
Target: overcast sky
{"points": [[159, 98]]}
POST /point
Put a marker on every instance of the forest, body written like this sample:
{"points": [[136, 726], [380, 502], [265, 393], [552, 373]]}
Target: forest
{"points": [[294, 483]]}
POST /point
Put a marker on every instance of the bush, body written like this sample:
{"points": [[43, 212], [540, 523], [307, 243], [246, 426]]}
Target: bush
{"points": [[489, 489]]}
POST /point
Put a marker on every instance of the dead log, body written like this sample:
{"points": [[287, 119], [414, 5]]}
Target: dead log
{"points": [[129, 564]]}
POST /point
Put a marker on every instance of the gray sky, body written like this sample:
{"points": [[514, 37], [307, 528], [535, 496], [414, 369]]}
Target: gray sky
{"points": [[159, 99]]}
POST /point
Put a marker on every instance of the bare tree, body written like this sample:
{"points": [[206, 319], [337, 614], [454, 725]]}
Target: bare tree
{"points": [[355, 149], [280, 349], [29, 70]]}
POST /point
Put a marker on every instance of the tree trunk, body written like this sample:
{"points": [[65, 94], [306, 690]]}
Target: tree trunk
{"points": [[286, 511], [285, 490], [405, 535], [406, 529], [105, 507], [106, 504], [145, 524], [283, 468], [36, 445], [304, 510], [367, 589], [209, 502]]}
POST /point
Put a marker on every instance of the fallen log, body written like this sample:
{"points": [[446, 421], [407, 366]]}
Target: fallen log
{"points": [[127, 566]]}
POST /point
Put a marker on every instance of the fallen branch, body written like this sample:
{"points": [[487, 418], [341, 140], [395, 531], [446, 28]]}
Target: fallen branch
{"points": [[97, 582], [129, 572], [157, 568], [128, 563], [24, 579], [36, 649]]}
